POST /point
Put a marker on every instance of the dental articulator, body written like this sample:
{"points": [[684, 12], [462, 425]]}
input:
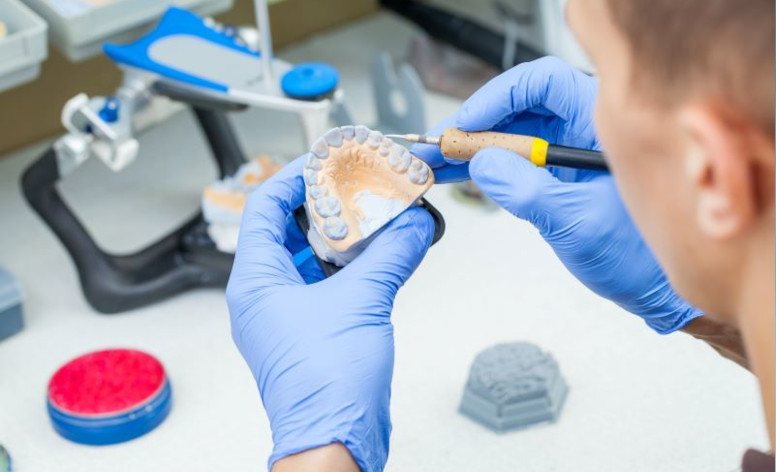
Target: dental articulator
{"points": [[214, 70]]}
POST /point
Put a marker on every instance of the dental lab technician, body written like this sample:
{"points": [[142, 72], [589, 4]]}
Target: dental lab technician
{"points": [[681, 233]]}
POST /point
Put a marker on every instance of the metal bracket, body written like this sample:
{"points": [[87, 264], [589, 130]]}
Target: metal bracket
{"points": [[398, 96]]}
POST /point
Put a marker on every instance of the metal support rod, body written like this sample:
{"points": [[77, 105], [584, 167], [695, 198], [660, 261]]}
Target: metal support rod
{"points": [[265, 38], [222, 140]]}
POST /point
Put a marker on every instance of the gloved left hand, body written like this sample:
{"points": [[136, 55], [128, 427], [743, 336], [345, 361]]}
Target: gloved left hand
{"points": [[322, 354], [579, 213]]}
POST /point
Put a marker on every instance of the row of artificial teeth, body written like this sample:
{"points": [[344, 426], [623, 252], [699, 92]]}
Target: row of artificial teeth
{"points": [[329, 207], [418, 172], [399, 158]]}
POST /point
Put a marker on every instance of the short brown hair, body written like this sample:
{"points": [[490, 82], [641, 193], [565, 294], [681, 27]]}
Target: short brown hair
{"points": [[724, 48]]}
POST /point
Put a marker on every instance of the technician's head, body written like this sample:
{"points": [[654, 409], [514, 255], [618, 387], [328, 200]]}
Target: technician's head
{"points": [[686, 117]]}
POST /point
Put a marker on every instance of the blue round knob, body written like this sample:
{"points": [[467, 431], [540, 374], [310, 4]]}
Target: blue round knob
{"points": [[110, 110], [309, 81]]}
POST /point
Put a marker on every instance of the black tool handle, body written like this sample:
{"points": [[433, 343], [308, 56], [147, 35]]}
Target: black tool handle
{"points": [[577, 158]]}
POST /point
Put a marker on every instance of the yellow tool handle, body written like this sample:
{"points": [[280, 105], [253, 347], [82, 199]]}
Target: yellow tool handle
{"points": [[463, 145]]}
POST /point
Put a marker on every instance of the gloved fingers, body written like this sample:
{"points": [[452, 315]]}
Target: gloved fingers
{"points": [[451, 173], [571, 175], [445, 170], [528, 192], [393, 255], [261, 254], [430, 153], [295, 239], [553, 130], [550, 129], [546, 86], [533, 124], [303, 257]]}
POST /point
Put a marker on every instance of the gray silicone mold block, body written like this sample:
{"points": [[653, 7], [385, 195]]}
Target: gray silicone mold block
{"points": [[513, 385]]}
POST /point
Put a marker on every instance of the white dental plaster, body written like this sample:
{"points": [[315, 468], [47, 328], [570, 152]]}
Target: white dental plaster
{"points": [[399, 159], [374, 139], [328, 206], [378, 210], [348, 132], [320, 149], [385, 148], [333, 137], [361, 133], [325, 252], [317, 191], [311, 177], [335, 228], [313, 162], [418, 173]]}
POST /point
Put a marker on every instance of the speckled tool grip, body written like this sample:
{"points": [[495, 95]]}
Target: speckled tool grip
{"points": [[462, 145]]}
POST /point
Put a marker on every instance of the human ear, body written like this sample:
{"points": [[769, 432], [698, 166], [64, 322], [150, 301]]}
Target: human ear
{"points": [[721, 171]]}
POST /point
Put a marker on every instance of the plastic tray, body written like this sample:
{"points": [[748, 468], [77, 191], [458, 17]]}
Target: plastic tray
{"points": [[80, 27], [24, 46]]}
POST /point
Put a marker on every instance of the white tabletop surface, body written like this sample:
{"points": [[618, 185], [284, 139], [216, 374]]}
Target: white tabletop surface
{"points": [[638, 401]]}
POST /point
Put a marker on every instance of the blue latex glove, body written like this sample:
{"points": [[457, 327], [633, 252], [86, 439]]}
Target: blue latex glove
{"points": [[321, 354], [579, 213]]}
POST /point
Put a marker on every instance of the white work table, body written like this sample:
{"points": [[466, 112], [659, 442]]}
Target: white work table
{"points": [[637, 402]]}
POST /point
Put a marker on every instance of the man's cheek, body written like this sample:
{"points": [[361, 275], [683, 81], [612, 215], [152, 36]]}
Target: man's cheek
{"points": [[599, 119], [607, 130]]}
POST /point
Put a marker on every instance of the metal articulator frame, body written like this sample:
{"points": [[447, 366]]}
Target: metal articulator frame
{"points": [[184, 259]]}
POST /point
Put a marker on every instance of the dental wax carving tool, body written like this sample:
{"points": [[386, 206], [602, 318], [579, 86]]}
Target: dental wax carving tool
{"points": [[356, 181], [463, 145]]}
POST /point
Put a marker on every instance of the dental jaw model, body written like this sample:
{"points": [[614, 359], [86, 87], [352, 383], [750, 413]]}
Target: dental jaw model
{"points": [[224, 200], [356, 181]]}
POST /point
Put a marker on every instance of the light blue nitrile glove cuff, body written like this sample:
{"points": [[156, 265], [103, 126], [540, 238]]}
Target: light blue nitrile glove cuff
{"points": [[321, 350], [579, 213]]}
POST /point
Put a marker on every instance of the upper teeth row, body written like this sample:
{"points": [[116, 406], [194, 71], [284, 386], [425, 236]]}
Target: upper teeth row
{"points": [[399, 157], [329, 207]]}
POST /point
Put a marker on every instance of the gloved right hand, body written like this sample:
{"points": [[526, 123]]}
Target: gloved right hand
{"points": [[579, 213], [321, 350]]}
